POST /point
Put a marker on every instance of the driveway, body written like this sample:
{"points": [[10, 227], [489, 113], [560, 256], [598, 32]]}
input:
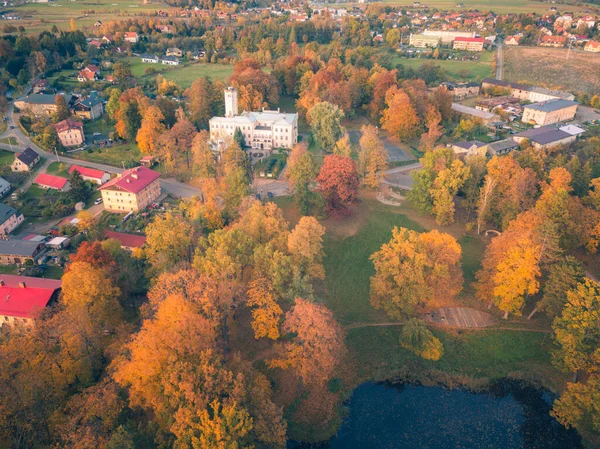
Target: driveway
{"points": [[393, 146]]}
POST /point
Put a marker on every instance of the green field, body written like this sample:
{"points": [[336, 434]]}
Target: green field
{"points": [[184, 74], [37, 17], [116, 155], [459, 70], [6, 158]]}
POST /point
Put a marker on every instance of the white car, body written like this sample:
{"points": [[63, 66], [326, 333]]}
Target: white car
{"points": [[98, 201]]}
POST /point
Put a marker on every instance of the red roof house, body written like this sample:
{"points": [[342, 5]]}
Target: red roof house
{"points": [[132, 191], [46, 181], [23, 297], [88, 73], [132, 180], [90, 174], [128, 241]]}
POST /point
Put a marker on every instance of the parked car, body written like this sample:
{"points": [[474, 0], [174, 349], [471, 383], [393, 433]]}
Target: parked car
{"points": [[98, 201]]}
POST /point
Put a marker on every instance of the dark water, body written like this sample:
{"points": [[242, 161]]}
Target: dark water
{"points": [[508, 416]]}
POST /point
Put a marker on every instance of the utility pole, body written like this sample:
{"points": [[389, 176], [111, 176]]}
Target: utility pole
{"points": [[56, 152], [569, 50]]}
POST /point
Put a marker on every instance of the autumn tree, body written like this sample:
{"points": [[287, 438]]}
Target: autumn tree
{"points": [[338, 182], [266, 313], [204, 98], [579, 405], [416, 338], [513, 261], [562, 277], [174, 145], [151, 129], [325, 121], [343, 146], [305, 244], [381, 81], [576, 330], [204, 161], [445, 186], [372, 157], [316, 346], [415, 268], [434, 130], [399, 118], [301, 173], [62, 109], [168, 242]]}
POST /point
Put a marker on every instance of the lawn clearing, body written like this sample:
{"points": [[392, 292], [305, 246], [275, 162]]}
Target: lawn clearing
{"points": [[6, 158], [548, 67], [477, 354], [9, 141], [184, 74], [117, 155], [458, 70], [59, 169]]}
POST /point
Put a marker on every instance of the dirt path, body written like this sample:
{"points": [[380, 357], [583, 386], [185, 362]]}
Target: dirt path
{"points": [[441, 326]]}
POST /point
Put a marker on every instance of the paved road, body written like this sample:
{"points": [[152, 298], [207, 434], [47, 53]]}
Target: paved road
{"points": [[400, 176], [499, 62], [168, 185]]}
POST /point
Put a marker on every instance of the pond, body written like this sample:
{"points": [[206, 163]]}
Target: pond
{"points": [[509, 415]]}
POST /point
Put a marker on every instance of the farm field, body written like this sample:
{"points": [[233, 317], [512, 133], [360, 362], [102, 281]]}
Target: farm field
{"points": [[505, 6], [37, 17], [547, 67], [459, 70]]}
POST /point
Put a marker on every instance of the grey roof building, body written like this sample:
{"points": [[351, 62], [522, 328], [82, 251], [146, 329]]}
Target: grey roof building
{"points": [[501, 147], [17, 251], [4, 187], [28, 156], [551, 105]]}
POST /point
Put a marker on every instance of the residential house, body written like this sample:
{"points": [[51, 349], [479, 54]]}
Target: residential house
{"points": [[131, 191], [588, 21], [40, 104], [39, 86], [128, 242], [460, 91], [546, 137], [553, 41], [549, 112], [90, 174], [108, 39], [88, 73], [4, 187], [174, 51], [10, 219], [448, 36], [501, 147], [25, 160], [512, 40], [131, 37], [468, 43], [490, 104], [147, 161], [468, 148], [165, 29], [150, 59], [70, 132], [170, 60], [592, 47], [47, 182], [95, 43], [537, 94], [197, 54], [19, 251], [98, 24], [89, 107], [25, 297]]}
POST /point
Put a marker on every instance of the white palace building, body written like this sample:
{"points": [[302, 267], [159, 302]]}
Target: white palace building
{"points": [[264, 130]]}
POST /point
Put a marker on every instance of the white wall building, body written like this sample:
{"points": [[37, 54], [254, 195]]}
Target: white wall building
{"points": [[263, 130]]}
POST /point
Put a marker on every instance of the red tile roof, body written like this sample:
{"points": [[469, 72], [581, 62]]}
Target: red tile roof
{"points": [[68, 124], [132, 180], [127, 240], [25, 301], [54, 182], [87, 172], [468, 39]]}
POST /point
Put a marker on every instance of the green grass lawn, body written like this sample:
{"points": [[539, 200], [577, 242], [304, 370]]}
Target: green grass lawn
{"points": [[184, 75], [6, 158], [33, 191], [459, 70], [59, 169], [115, 155], [347, 263], [9, 141], [474, 354]]}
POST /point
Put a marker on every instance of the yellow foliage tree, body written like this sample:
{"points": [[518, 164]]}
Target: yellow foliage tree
{"points": [[266, 313], [150, 130]]}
